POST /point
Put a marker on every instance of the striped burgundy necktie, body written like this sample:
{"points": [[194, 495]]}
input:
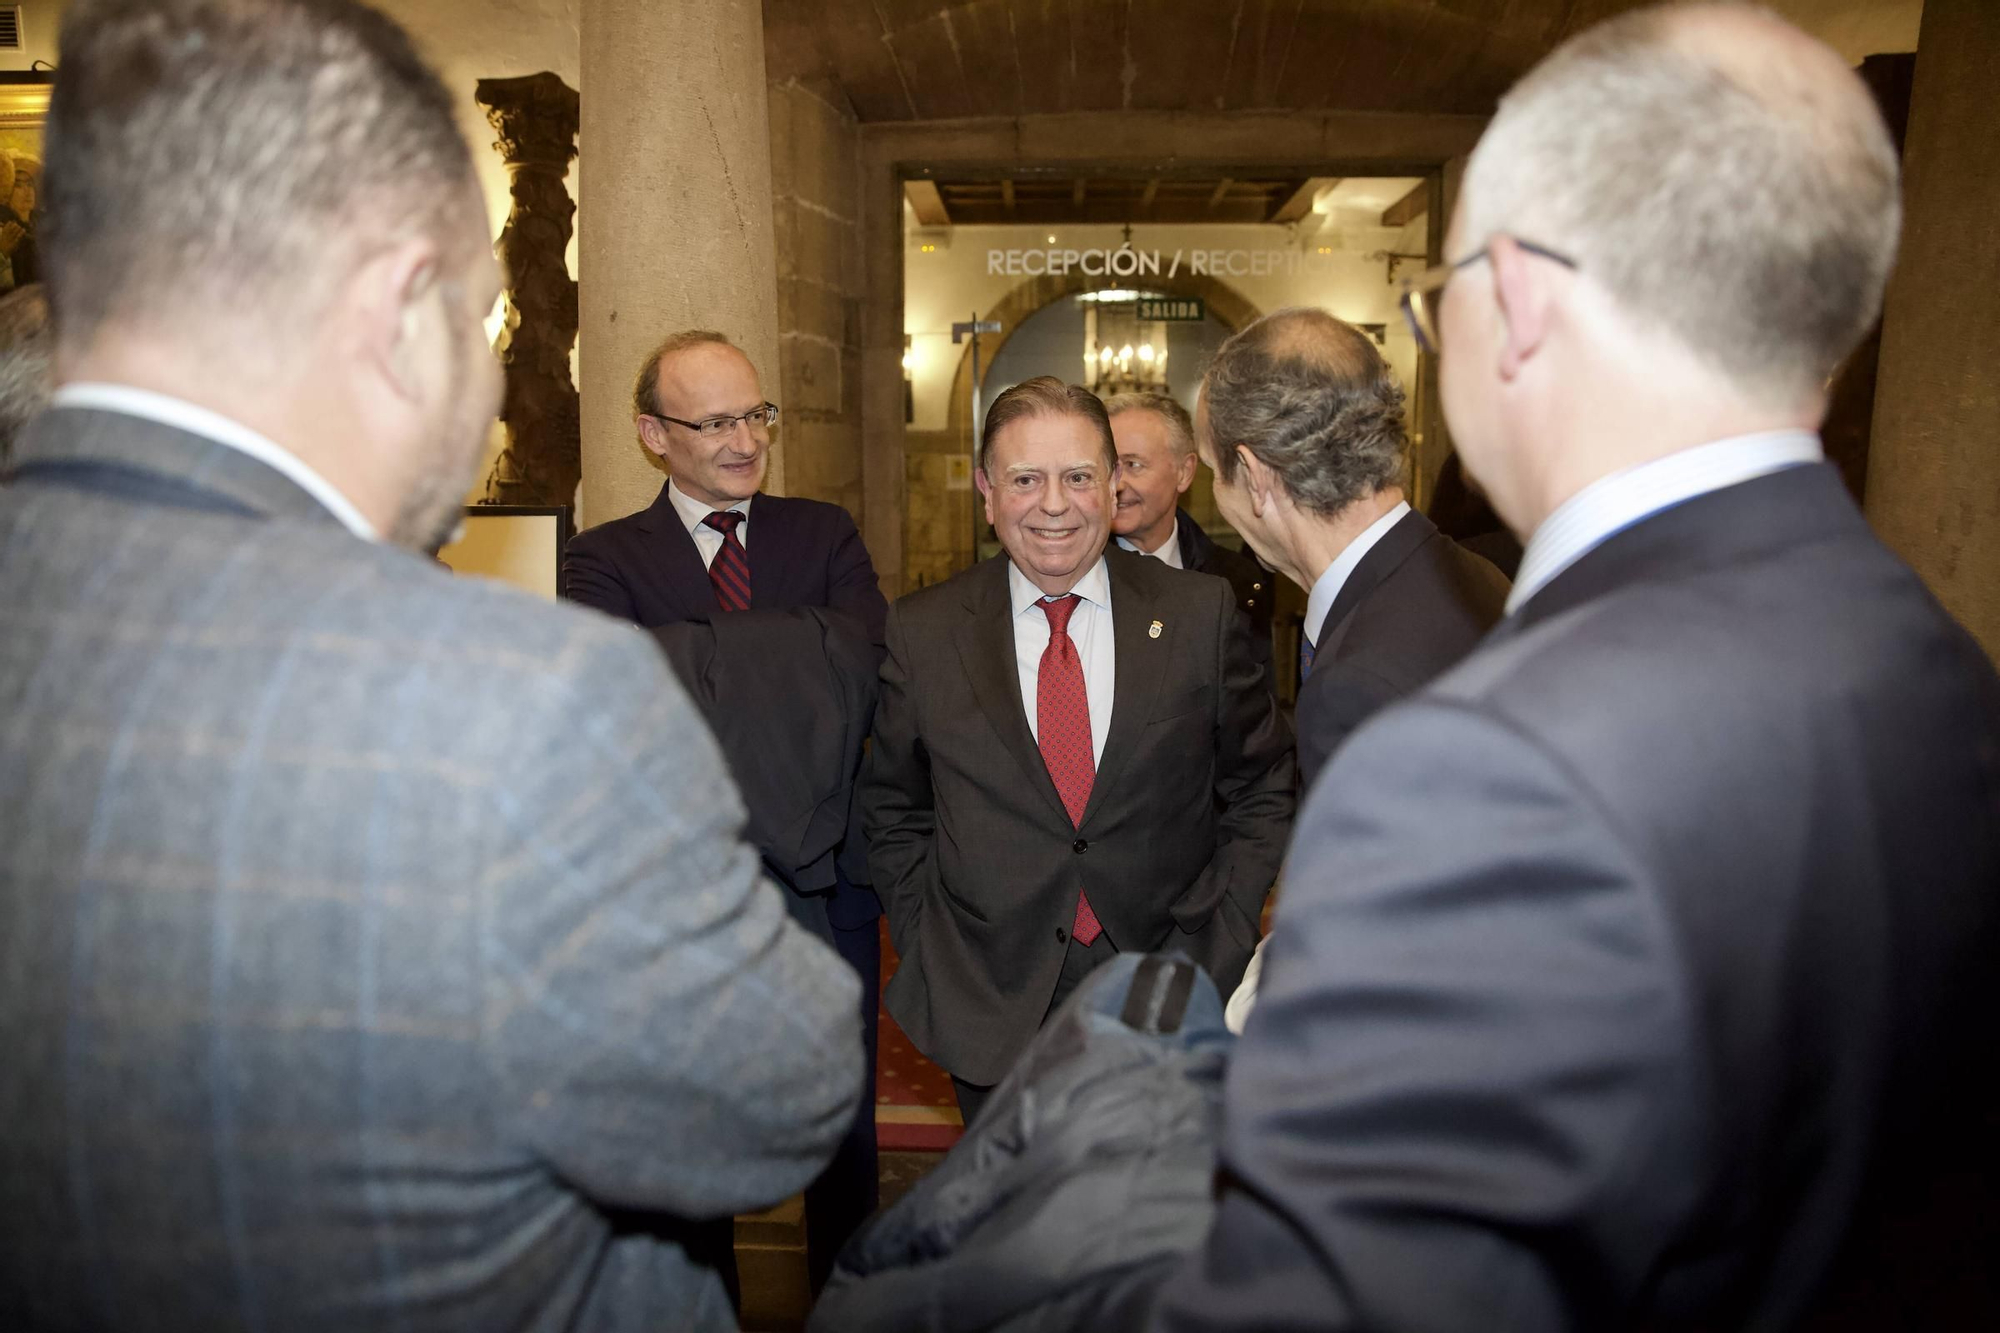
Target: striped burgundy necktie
{"points": [[729, 572], [1062, 733]]}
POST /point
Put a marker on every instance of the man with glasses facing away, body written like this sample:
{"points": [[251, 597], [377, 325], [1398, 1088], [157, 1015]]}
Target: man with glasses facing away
{"points": [[713, 543], [1639, 971]]}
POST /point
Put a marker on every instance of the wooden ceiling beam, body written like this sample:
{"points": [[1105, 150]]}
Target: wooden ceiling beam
{"points": [[927, 203], [1410, 207], [1300, 201]]}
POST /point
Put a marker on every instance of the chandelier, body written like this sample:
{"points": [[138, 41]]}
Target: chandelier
{"points": [[1121, 352]]}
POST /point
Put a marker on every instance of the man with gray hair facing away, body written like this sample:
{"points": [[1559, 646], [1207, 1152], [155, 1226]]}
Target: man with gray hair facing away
{"points": [[1301, 421], [1639, 971], [381, 948]]}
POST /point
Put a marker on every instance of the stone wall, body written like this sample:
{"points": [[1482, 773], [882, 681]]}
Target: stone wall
{"points": [[815, 178]]}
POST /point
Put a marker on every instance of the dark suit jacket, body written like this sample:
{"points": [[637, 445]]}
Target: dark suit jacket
{"points": [[1414, 605], [1250, 581], [790, 696], [977, 863], [381, 949], [645, 568], [1639, 972]]}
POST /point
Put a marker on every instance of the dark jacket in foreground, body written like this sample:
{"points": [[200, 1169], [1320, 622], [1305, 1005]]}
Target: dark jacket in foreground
{"points": [[381, 948], [645, 567], [976, 860], [1092, 1165], [1416, 604], [1250, 581], [1639, 972]]}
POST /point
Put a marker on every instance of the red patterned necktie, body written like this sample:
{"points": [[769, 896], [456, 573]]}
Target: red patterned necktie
{"points": [[1062, 731], [730, 570]]}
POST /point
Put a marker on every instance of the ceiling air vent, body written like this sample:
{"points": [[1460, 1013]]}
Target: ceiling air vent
{"points": [[10, 27]]}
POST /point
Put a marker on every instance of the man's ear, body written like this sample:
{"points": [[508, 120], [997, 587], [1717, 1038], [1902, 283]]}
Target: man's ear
{"points": [[980, 480], [1521, 289], [654, 436], [395, 296], [1184, 478], [1259, 480]]}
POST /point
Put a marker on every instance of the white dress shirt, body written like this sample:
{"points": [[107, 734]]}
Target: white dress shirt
{"points": [[1328, 585], [1169, 552], [183, 415], [1611, 504], [706, 539], [1089, 629]]}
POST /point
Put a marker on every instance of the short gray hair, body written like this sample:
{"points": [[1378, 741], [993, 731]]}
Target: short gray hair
{"points": [[1747, 206], [1314, 401], [646, 389], [226, 160], [1046, 396], [1180, 427]]}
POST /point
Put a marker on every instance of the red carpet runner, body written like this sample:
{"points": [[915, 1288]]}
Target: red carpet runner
{"points": [[915, 1110]]}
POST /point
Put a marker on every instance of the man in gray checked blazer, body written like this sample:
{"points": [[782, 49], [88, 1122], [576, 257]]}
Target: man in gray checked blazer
{"points": [[381, 951]]}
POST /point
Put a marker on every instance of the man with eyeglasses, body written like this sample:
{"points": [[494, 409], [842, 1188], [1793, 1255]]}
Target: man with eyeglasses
{"points": [[713, 541], [713, 545], [1639, 971]]}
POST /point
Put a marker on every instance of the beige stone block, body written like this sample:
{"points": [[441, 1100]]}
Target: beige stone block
{"points": [[812, 382]]}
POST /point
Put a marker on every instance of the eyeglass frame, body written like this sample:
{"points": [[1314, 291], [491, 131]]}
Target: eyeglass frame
{"points": [[725, 424], [1431, 280]]}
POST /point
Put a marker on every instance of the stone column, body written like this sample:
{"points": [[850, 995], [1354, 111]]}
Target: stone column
{"points": [[1933, 469], [676, 215], [536, 119]]}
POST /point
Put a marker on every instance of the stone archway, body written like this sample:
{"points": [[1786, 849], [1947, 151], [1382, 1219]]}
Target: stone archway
{"points": [[1229, 306]]}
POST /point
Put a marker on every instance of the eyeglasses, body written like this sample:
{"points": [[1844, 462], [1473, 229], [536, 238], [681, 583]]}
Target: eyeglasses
{"points": [[720, 428], [1423, 295]]}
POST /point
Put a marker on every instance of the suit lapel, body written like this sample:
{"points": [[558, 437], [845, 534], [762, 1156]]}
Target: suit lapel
{"points": [[1140, 661], [986, 650], [1398, 544], [680, 563], [765, 550]]}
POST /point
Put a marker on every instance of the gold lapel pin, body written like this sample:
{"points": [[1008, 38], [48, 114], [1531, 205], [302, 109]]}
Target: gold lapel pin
{"points": [[1154, 631]]}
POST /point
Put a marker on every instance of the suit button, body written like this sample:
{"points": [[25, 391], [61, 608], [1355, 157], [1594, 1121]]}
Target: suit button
{"points": [[1061, 935], [1251, 602], [1256, 587], [1079, 846]]}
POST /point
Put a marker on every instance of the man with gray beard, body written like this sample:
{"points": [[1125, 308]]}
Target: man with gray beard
{"points": [[381, 948]]}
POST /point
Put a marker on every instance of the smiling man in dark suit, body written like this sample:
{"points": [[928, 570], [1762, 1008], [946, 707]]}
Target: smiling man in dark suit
{"points": [[1075, 755], [1302, 423], [713, 541]]}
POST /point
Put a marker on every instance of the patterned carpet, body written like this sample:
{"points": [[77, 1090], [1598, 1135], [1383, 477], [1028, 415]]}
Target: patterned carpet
{"points": [[914, 1107]]}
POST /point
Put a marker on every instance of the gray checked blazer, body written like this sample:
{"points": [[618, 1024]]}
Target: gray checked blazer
{"points": [[380, 948]]}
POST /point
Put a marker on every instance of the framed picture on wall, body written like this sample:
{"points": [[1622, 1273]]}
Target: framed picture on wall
{"points": [[24, 107], [517, 544]]}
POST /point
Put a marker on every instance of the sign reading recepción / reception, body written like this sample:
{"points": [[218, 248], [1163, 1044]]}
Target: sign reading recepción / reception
{"points": [[1126, 262], [1173, 309]]}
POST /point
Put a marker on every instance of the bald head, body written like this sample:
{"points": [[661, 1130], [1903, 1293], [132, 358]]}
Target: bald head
{"points": [[1726, 178], [1311, 397]]}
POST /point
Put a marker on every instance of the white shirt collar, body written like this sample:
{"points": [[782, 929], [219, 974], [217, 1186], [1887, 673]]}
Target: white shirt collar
{"points": [[693, 511], [1326, 588], [1611, 504], [183, 415], [1094, 587], [1169, 552]]}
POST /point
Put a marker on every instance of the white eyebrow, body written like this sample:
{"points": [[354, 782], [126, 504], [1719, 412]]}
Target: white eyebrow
{"points": [[1066, 467]]}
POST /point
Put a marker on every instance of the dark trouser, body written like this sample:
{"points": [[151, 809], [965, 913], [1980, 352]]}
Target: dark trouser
{"points": [[1079, 961], [846, 1192]]}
